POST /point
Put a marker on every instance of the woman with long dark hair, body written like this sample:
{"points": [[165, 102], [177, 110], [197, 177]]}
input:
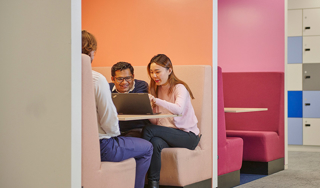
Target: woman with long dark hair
{"points": [[168, 94]]}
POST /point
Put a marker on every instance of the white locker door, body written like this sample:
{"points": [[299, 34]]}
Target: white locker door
{"points": [[294, 23], [294, 77], [311, 130], [311, 24], [311, 49]]}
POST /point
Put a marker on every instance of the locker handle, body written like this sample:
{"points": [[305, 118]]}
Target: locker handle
{"points": [[307, 49], [307, 104], [307, 27], [307, 125], [308, 76]]}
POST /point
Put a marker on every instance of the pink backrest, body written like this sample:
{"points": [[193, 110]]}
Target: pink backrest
{"points": [[221, 114], [255, 90], [91, 160]]}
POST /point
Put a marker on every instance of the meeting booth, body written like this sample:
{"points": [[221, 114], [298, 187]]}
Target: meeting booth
{"points": [[247, 133]]}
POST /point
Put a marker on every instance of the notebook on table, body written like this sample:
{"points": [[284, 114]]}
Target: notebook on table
{"points": [[132, 103]]}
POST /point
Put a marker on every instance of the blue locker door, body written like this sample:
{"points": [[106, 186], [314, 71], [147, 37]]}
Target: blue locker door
{"points": [[295, 131], [295, 50], [295, 104], [311, 104]]}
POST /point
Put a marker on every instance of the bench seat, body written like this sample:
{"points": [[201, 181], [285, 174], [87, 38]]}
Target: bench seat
{"points": [[259, 146], [262, 132]]}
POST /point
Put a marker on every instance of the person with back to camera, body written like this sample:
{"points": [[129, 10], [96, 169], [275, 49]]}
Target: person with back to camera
{"points": [[168, 94], [113, 147], [122, 76]]}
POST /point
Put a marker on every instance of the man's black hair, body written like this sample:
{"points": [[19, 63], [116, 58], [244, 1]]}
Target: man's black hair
{"points": [[121, 66]]}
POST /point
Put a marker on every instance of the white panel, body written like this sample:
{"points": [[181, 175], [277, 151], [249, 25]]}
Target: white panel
{"points": [[36, 100], [76, 98], [299, 4], [294, 77], [311, 24], [214, 94], [294, 23], [313, 44], [311, 133], [285, 93]]}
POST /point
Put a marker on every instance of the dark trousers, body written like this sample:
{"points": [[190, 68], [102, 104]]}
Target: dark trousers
{"points": [[165, 137], [133, 128], [134, 124], [120, 148]]}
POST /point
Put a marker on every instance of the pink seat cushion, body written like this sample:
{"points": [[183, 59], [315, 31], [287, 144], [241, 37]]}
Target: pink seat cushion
{"points": [[262, 146], [230, 156]]}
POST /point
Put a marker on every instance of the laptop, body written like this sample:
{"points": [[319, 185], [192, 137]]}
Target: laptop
{"points": [[132, 103]]}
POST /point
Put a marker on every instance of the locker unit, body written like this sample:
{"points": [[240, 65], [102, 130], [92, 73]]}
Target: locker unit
{"points": [[311, 104], [295, 104], [311, 50], [294, 23], [311, 77], [310, 22], [294, 50], [303, 72], [311, 130], [295, 131], [293, 77], [298, 4]]}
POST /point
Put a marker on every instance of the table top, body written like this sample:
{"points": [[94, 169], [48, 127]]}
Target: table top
{"points": [[237, 110], [139, 117]]}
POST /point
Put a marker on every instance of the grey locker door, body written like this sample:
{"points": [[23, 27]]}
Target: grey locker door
{"points": [[311, 76], [311, 104]]}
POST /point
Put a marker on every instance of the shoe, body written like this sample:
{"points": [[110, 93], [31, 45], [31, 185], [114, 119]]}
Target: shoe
{"points": [[153, 184]]}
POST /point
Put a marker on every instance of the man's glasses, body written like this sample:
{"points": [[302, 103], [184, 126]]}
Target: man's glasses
{"points": [[120, 79]]}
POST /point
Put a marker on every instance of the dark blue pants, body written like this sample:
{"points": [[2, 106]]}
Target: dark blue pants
{"points": [[120, 148], [165, 137]]}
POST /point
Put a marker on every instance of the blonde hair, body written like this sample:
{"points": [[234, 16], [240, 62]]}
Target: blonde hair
{"points": [[89, 42], [164, 61]]}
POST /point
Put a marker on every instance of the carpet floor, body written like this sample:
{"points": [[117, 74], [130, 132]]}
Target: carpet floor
{"points": [[303, 172]]}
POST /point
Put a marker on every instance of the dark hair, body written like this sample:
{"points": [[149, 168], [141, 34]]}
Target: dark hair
{"points": [[121, 66], [89, 42], [164, 61]]}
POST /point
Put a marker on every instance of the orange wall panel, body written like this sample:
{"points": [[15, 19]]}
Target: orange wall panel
{"points": [[136, 30]]}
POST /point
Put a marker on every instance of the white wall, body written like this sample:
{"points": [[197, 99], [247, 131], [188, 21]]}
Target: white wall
{"points": [[214, 93], [40, 87]]}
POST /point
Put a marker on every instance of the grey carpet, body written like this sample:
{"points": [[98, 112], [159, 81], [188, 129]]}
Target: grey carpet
{"points": [[303, 171]]}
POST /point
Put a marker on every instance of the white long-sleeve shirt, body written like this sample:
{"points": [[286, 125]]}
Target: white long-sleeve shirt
{"points": [[107, 115]]}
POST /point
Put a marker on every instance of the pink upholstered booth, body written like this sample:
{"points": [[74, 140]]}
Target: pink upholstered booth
{"points": [[262, 132], [97, 174], [229, 148]]}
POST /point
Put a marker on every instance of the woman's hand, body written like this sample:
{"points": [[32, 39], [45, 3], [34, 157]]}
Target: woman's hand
{"points": [[152, 100]]}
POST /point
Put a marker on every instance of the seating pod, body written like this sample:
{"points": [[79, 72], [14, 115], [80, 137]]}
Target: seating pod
{"points": [[97, 174], [229, 148], [181, 167], [262, 132]]}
